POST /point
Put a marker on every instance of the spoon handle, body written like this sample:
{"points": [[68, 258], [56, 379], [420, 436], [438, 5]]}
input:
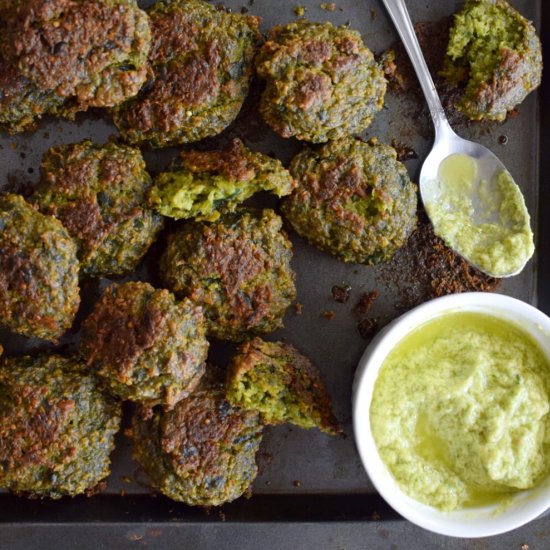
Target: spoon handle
{"points": [[402, 21]]}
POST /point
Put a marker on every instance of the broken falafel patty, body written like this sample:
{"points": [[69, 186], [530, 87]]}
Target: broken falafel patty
{"points": [[57, 428], [201, 64], [496, 55], [206, 183], [354, 200], [144, 345], [39, 292], [237, 268], [98, 192], [203, 452], [322, 81], [280, 383]]}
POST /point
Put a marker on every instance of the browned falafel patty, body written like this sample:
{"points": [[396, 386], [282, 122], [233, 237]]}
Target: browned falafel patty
{"points": [[354, 200], [56, 427], [39, 293], [98, 192], [64, 56], [144, 345], [203, 452], [322, 81], [201, 62], [237, 268]]}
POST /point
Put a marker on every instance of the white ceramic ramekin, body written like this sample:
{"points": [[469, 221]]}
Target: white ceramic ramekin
{"points": [[472, 522]]}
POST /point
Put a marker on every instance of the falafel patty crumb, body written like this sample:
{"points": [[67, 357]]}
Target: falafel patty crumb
{"points": [[203, 452], [144, 345], [354, 200], [57, 428], [275, 379], [237, 268]]}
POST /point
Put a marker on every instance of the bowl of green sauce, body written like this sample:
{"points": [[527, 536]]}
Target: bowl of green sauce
{"points": [[451, 408]]}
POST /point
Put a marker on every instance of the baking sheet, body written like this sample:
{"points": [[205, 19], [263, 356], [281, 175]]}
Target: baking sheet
{"points": [[294, 461]]}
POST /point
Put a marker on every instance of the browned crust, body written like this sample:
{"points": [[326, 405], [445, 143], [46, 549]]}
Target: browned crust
{"points": [[232, 163], [21, 277], [207, 424], [236, 262], [120, 336], [61, 43], [35, 424]]}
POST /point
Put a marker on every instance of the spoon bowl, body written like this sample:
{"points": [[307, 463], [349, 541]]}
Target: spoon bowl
{"points": [[496, 225]]}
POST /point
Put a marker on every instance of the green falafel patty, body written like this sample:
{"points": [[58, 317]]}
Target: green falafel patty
{"points": [[237, 268], [276, 380], [322, 81], [144, 345], [201, 62], [21, 101], [354, 200], [208, 183], [57, 428], [91, 52], [39, 293], [98, 193], [495, 53], [203, 452]]}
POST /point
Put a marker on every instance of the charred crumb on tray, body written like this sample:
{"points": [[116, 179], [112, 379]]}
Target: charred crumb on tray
{"points": [[367, 328], [298, 308], [365, 303], [404, 151], [425, 268], [328, 314], [341, 294]]}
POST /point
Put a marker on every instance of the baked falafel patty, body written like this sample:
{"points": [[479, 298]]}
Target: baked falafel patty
{"points": [[201, 61], [98, 192], [144, 345], [322, 81], [275, 379], [39, 293], [206, 183], [203, 452], [237, 268], [496, 55], [354, 200], [57, 428], [64, 56]]}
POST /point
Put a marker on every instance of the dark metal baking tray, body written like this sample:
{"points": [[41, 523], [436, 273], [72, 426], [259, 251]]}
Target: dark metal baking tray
{"points": [[304, 475]]}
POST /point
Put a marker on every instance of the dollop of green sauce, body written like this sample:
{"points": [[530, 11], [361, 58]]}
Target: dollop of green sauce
{"points": [[460, 412], [489, 225]]}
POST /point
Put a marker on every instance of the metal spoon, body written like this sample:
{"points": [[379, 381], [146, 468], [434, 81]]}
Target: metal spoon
{"points": [[448, 143]]}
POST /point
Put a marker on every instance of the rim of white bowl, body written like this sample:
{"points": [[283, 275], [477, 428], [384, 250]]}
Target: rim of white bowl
{"points": [[469, 523]]}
